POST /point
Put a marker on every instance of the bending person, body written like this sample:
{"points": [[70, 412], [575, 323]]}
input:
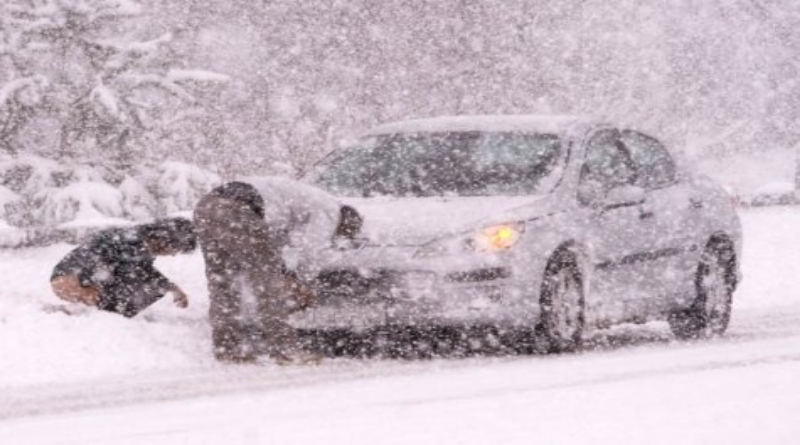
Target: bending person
{"points": [[258, 238], [114, 269]]}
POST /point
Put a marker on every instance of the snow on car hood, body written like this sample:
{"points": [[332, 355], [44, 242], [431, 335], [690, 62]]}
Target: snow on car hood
{"points": [[415, 221]]}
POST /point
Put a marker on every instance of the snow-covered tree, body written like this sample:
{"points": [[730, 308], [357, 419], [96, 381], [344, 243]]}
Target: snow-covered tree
{"points": [[21, 90], [89, 98], [109, 91]]}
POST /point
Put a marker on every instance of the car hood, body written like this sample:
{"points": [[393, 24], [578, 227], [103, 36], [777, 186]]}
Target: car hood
{"points": [[416, 221]]}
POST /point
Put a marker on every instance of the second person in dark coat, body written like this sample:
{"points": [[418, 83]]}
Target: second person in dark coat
{"points": [[259, 238]]}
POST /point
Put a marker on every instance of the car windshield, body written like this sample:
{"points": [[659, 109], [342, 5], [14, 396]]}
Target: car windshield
{"points": [[447, 163]]}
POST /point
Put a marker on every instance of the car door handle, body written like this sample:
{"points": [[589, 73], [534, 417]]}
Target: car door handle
{"points": [[646, 214], [697, 203]]}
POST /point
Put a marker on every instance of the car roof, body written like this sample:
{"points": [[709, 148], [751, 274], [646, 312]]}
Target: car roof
{"points": [[557, 124]]}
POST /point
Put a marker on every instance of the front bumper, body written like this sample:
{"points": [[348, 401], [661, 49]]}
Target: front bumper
{"points": [[394, 290]]}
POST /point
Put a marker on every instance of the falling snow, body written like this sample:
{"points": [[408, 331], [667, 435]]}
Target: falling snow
{"points": [[418, 115]]}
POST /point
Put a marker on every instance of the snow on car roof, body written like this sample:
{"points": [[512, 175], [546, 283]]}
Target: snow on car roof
{"points": [[499, 122]]}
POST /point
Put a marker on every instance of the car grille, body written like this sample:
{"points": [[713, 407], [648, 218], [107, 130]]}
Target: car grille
{"points": [[346, 283], [351, 284], [478, 275]]}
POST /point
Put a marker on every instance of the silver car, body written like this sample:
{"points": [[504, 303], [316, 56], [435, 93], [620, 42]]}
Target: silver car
{"points": [[554, 224]]}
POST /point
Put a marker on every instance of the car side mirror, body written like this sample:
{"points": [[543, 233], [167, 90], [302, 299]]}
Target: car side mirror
{"points": [[624, 195], [350, 223]]}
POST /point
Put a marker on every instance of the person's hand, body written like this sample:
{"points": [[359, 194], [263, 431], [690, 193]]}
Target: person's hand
{"points": [[304, 295], [179, 297]]}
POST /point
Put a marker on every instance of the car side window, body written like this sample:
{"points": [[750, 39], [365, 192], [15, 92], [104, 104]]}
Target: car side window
{"points": [[655, 167], [606, 161]]}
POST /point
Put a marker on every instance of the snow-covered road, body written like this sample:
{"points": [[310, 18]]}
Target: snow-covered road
{"points": [[99, 379]]}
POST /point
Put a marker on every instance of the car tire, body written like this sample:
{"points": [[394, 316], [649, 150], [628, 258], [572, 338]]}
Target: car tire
{"points": [[561, 302], [710, 312]]}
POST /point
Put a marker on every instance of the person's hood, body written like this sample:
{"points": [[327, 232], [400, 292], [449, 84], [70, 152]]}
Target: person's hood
{"points": [[416, 221]]}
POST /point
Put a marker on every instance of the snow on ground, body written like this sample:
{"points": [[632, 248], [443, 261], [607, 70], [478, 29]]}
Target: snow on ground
{"points": [[98, 378], [40, 347], [745, 173]]}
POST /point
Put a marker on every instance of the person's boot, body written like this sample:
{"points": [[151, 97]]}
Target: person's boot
{"points": [[234, 355], [235, 359]]}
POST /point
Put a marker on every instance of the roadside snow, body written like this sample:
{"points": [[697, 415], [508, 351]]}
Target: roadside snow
{"points": [[716, 393], [40, 347], [771, 258]]}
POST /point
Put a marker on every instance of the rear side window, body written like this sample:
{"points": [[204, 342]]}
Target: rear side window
{"points": [[606, 162], [654, 165]]}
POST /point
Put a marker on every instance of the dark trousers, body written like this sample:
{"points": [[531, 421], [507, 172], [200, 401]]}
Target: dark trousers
{"points": [[249, 297]]}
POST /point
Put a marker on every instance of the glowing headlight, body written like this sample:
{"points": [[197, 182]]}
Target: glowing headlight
{"points": [[489, 239], [495, 238]]}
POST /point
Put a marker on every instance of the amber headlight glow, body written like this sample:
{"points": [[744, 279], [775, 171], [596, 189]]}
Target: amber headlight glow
{"points": [[495, 238]]}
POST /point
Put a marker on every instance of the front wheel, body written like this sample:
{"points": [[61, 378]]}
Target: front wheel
{"points": [[561, 303], [710, 311]]}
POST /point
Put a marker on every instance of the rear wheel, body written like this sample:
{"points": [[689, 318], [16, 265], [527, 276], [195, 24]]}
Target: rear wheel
{"points": [[561, 304], [710, 311]]}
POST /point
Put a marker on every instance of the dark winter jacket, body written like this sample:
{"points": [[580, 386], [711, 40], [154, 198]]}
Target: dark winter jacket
{"points": [[117, 262]]}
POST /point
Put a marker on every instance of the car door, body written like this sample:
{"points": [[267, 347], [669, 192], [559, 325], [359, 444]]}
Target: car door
{"points": [[616, 230], [670, 218]]}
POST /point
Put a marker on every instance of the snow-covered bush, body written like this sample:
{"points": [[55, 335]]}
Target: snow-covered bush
{"points": [[138, 204], [179, 186], [49, 194], [80, 203], [45, 193], [27, 175], [38, 193]]}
